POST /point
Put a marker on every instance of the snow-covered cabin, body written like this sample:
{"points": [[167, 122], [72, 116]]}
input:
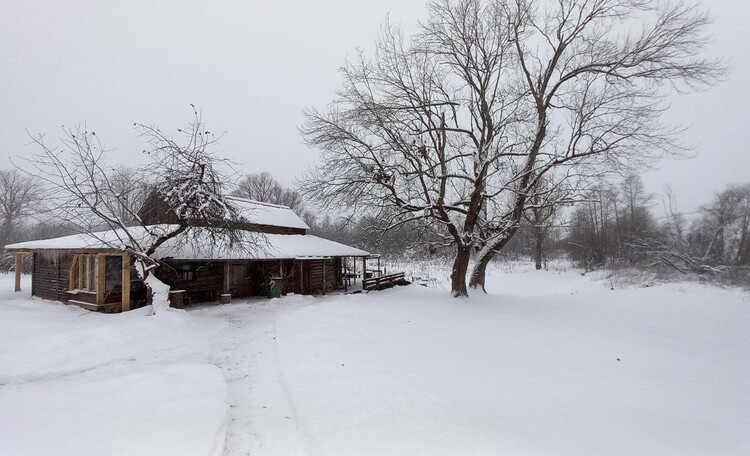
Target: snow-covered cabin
{"points": [[87, 269]]}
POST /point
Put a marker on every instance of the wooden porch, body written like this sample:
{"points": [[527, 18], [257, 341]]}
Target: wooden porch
{"points": [[97, 280]]}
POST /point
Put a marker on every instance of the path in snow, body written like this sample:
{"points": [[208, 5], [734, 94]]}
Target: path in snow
{"points": [[550, 363], [259, 400]]}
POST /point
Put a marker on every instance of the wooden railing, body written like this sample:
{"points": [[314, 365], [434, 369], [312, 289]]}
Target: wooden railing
{"points": [[384, 281]]}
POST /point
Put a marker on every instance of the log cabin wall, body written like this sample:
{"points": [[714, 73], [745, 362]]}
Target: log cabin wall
{"points": [[49, 278], [155, 210], [320, 280], [201, 280]]}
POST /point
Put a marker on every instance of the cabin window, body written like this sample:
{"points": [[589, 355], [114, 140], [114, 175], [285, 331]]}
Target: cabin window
{"points": [[188, 273], [113, 276]]}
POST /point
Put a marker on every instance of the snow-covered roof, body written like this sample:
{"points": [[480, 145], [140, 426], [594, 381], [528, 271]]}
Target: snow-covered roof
{"points": [[270, 247], [267, 214], [197, 245]]}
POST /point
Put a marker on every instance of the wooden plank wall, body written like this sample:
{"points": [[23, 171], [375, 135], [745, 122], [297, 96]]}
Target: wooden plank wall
{"points": [[50, 276], [316, 276], [208, 283]]}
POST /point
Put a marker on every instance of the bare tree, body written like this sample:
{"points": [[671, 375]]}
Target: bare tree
{"points": [[263, 187], [720, 235], [20, 196], [186, 174], [454, 127], [597, 74], [129, 189], [419, 129], [543, 209]]}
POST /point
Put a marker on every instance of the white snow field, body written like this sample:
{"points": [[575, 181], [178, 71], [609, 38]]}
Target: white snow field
{"points": [[548, 363], [73, 382]]}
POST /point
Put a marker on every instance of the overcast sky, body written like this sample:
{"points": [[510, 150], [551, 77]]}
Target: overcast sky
{"points": [[252, 67]]}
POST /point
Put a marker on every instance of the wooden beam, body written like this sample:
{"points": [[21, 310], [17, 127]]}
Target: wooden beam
{"points": [[72, 272], [19, 267], [125, 282], [81, 271], [92, 273], [101, 277]]}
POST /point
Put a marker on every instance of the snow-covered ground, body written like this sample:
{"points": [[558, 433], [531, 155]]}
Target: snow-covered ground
{"points": [[73, 382], [549, 363]]}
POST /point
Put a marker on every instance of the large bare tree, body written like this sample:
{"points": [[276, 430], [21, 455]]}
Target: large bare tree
{"points": [[454, 127], [418, 130], [596, 75]]}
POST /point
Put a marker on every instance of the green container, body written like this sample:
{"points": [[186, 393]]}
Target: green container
{"points": [[274, 287]]}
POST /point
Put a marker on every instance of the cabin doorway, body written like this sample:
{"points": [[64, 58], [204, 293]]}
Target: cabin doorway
{"points": [[299, 277], [238, 279], [256, 279]]}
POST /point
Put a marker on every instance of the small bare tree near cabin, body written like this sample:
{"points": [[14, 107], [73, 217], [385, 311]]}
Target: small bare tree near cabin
{"points": [[186, 174], [456, 126]]}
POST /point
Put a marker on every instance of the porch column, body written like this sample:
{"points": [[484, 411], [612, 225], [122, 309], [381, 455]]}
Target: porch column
{"points": [[72, 283], [101, 277], [19, 266], [126, 282], [225, 284], [364, 270], [81, 270]]}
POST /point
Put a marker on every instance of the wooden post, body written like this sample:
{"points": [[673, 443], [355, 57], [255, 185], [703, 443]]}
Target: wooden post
{"points": [[72, 272], [126, 282], [364, 269], [101, 277], [92, 272], [19, 267], [225, 287], [81, 270], [324, 276]]}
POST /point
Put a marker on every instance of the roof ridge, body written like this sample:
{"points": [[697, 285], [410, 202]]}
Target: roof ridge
{"points": [[261, 203]]}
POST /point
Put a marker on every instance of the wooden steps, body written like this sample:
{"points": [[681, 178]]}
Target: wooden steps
{"points": [[106, 308]]}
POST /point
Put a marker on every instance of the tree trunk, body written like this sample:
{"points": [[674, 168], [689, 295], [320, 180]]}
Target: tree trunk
{"points": [[458, 274], [538, 244], [479, 272]]}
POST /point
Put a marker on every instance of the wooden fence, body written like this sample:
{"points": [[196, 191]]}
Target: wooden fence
{"points": [[384, 281]]}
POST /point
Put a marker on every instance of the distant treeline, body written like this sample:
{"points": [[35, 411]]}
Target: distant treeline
{"points": [[613, 223]]}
